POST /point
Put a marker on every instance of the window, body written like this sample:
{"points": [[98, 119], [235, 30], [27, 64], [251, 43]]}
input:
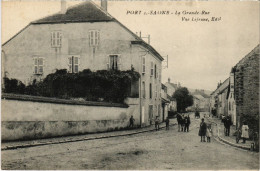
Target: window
{"points": [[156, 91], [152, 68], [38, 65], [114, 62], [56, 39], [143, 90], [229, 106], [159, 110], [155, 110], [151, 91], [150, 112], [94, 37], [74, 64], [159, 74], [155, 71], [143, 62]]}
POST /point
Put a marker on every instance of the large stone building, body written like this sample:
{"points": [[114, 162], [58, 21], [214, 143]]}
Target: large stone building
{"points": [[246, 89], [81, 37], [238, 95]]}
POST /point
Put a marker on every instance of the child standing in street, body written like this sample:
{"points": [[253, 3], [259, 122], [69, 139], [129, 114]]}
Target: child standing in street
{"points": [[167, 121], [157, 123], [208, 134]]}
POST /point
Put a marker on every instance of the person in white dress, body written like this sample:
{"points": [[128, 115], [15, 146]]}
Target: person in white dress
{"points": [[245, 134]]}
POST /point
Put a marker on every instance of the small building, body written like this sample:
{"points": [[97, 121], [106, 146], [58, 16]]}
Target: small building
{"points": [[219, 98]]}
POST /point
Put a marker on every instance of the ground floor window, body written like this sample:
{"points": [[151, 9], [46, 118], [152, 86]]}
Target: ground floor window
{"points": [[74, 64], [38, 65]]}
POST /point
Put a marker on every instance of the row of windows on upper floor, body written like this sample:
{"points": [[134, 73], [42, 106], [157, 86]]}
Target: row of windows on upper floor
{"points": [[56, 38], [113, 62], [157, 91]]}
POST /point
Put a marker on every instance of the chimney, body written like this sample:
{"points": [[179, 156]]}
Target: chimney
{"points": [[63, 7], [104, 4], [169, 80]]}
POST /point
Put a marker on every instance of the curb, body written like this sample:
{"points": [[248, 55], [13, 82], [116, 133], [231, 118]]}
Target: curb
{"points": [[230, 143], [234, 145], [76, 140]]}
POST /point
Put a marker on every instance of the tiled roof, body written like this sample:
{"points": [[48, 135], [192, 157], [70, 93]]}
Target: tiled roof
{"points": [[88, 12], [84, 12]]}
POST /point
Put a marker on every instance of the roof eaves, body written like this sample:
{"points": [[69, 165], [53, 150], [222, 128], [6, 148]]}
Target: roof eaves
{"points": [[149, 47], [16, 34], [71, 21]]}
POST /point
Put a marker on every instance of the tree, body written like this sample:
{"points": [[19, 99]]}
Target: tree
{"points": [[183, 98]]}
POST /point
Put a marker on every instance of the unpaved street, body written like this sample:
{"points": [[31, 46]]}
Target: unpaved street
{"points": [[153, 150]]}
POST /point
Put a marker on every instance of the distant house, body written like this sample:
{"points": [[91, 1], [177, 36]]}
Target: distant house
{"points": [[171, 88], [200, 100], [81, 37], [220, 98]]}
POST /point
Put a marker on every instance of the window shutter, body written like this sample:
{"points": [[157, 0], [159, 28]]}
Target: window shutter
{"points": [[143, 62], [35, 63], [152, 68], [108, 62], [60, 39], [98, 38], [70, 64], [52, 39], [119, 62]]}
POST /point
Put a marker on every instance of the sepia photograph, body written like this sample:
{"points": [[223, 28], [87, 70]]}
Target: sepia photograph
{"points": [[130, 85]]}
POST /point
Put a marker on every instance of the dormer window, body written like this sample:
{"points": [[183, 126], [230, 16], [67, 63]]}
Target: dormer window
{"points": [[56, 39]]}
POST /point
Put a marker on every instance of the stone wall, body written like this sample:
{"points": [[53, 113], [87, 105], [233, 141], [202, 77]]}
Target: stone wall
{"points": [[247, 87], [29, 117]]}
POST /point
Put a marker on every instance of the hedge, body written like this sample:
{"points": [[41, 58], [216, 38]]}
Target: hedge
{"points": [[102, 85]]}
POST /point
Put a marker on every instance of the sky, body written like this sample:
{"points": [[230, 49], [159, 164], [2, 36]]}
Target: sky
{"points": [[200, 53]]}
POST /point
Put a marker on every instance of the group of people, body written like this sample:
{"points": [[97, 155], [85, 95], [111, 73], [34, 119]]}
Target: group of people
{"points": [[156, 122], [183, 122], [204, 131]]}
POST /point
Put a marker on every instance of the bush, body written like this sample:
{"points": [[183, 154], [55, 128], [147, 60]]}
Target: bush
{"points": [[13, 86], [112, 85]]}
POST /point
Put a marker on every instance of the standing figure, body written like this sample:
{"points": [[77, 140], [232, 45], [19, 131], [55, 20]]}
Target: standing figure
{"points": [[208, 133], [131, 120], [227, 124], [188, 124], [157, 123], [245, 134], [202, 131], [179, 122], [185, 124], [182, 122], [167, 122]]}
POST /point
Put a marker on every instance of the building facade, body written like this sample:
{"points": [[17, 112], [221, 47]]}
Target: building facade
{"points": [[238, 95], [82, 37], [246, 89]]}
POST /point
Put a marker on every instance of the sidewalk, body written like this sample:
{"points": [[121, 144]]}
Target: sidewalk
{"points": [[57, 140], [231, 139]]}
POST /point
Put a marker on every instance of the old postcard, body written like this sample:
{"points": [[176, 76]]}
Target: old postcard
{"points": [[129, 85]]}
